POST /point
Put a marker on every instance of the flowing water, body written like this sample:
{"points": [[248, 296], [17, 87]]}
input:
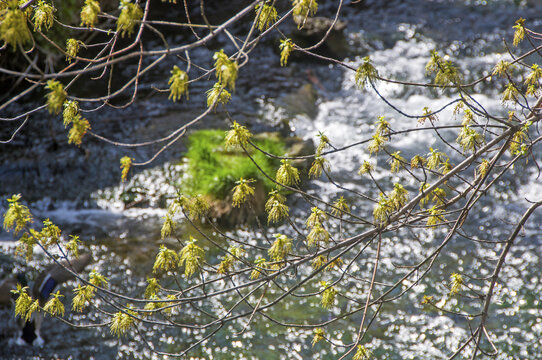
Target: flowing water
{"points": [[398, 36]]}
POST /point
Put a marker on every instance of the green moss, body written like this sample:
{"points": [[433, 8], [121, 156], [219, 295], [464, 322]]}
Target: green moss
{"points": [[214, 170]]}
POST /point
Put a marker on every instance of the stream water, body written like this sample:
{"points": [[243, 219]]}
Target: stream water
{"points": [[398, 36]]}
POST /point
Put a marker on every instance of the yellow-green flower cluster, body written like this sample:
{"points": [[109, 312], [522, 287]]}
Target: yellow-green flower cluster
{"points": [[152, 288], [435, 216], [396, 161], [446, 72], [71, 110], [519, 34], [366, 73], [49, 234], [97, 279], [227, 264], [287, 174], [89, 13], [323, 143], [382, 210], [80, 125], [122, 322], [129, 16], [340, 207], [17, 216], [238, 136], [217, 95], [483, 168], [534, 75], [196, 206], [24, 305], [398, 197], [191, 256], [381, 136], [427, 115], [518, 139], [435, 158], [362, 353], [168, 226], [318, 233], [13, 27], [72, 246], [72, 48], [318, 166], [456, 283], [54, 306], [417, 161], [78, 130], [43, 15], [469, 139], [166, 260], [125, 165], [280, 247], [302, 9], [267, 16], [502, 68], [365, 168], [241, 191], [83, 295], [178, 83], [286, 46], [318, 335], [225, 69], [510, 94], [260, 264], [56, 96], [275, 207], [329, 294]]}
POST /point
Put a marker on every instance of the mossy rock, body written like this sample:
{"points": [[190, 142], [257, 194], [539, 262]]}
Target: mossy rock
{"points": [[213, 171]]}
